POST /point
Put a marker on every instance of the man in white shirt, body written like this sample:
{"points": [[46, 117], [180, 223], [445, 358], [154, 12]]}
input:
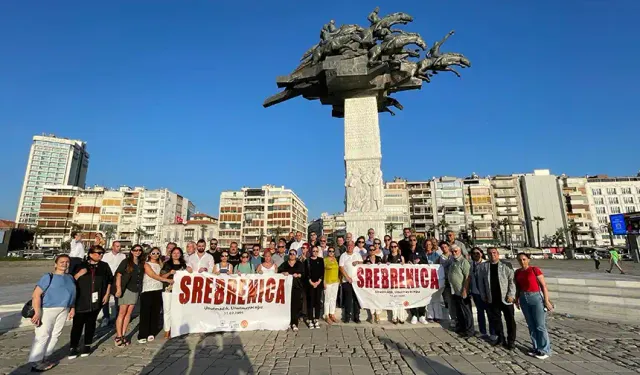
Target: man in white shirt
{"points": [[200, 261], [76, 252], [297, 244], [324, 248], [347, 264], [113, 258]]}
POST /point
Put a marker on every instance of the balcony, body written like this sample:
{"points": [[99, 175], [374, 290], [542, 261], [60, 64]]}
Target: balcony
{"points": [[505, 193]]}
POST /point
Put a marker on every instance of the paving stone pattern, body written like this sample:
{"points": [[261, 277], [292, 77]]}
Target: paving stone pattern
{"points": [[580, 347]]}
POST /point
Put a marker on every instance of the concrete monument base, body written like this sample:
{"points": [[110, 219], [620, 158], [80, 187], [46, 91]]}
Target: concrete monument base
{"points": [[358, 223]]}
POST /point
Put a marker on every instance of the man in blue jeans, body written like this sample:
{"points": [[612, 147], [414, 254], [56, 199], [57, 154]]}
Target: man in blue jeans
{"points": [[477, 257]]}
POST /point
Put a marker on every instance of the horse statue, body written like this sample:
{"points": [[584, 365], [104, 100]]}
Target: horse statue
{"points": [[342, 30], [442, 63], [382, 27], [394, 45], [337, 46]]}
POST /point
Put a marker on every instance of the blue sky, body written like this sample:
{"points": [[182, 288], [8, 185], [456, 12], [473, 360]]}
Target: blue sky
{"points": [[169, 94]]}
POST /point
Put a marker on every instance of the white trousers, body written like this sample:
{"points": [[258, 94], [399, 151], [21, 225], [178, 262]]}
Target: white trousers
{"points": [[47, 334], [166, 310], [330, 298], [399, 313]]}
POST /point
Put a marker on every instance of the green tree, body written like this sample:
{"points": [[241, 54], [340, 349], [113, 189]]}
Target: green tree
{"points": [[572, 228], [277, 230], [390, 227], [558, 237], [139, 232], [473, 228], [37, 231], [442, 225], [538, 219], [109, 233]]}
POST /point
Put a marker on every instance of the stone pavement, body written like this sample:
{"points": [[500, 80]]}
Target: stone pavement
{"points": [[580, 347]]}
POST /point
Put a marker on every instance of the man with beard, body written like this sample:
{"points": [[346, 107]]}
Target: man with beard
{"points": [[234, 254], [214, 251], [200, 261]]}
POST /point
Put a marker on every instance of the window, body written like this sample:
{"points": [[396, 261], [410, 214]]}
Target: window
{"points": [[626, 190], [630, 209], [615, 210], [597, 191], [601, 210], [628, 200], [599, 200], [613, 200], [611, 191]]}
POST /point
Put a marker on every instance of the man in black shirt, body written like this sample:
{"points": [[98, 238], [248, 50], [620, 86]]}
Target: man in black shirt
{"points": [[214, 250], [295, 268], [234, 254], [405, 244]]}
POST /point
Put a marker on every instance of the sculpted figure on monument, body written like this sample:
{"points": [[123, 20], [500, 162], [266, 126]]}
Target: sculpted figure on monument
{"points": [[376, 189], [435, 49], [374, 17], [327, 30], [351, 183]]}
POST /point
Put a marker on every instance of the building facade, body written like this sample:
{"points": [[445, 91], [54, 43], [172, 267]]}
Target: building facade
{"points": [[52, 161], [254, 215], [329, 225], [579, 218], [478, 208], [396, 206], [200, 226], [509, 209], [450, 214], [422, 207], [542, 199]]}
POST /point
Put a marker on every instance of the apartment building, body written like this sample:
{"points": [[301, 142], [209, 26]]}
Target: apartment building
{"points": [[508, 206], [542, 198], [396, 206], [254, 215], [578, 211], [329, 225], [422, 207], [608, 196], [52, 161], [449, 205], [200, 226], [478, 208]]}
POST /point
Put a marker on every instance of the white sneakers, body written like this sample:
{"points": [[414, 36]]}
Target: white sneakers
{"points": [[414, 320], [422, 320], [542, 356]]}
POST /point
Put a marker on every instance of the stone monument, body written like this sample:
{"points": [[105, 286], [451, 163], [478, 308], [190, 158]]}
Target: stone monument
{"points": [[355, 69]]}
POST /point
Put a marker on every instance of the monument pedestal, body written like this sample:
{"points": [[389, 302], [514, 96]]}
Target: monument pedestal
{"points": [[363, 181]]}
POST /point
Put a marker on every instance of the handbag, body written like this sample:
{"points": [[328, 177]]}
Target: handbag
{"points": [[27, 310]]}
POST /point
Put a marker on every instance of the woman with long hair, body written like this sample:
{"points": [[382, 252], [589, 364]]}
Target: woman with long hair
{"points": [[151, 297], [53, 302], [399, 313], [267, 267], [314, 268], [331, 285], [174, 264], [224, 267], [532, 297], [294, 268], [373, 258], [128, 286], [245, 267]]}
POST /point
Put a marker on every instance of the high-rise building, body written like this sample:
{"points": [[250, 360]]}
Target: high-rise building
{"points": [[542, 199], [478, 208], [422, 207], [330, 226], [507, 199], [52, 161], [608, 196], [578, 211], [449, 205], [396, 206], [253, 215]]}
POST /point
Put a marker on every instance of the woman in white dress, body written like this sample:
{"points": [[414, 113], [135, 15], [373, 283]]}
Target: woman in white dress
{"points": [[267, 267]]}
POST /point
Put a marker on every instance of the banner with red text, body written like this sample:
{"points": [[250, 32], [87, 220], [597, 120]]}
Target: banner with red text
{"points": [[385, 287], [203, 302]]}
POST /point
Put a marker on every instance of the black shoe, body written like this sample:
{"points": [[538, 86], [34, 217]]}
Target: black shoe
{"points": [[356, 321], [73, 353], [510, 346], [85, 351], [495, 342], [347, 319]]}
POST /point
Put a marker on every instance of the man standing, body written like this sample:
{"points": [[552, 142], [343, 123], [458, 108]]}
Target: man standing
{"points": [[201, 261], [234, 254], [279, 257], [498, 291], [451, 240], [76, 252], [272, 247], [113, 258], [347, 266], [297, 244], [404, 244], [460, 279], [323, 247], [214, 251], [167, 252], [313, 239], [372, 236], [191, 248], [255, 258], [341, 248], [290, 240]]}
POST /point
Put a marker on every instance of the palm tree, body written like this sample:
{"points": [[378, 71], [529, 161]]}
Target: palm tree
{"points": [[139, 232], [572, 228], [277, 230], [505, 224], [538, 219], [442, 225], [431, 231], [37, 231], [558, 237], [109, 233], [203, 230], [390, 227], [473, 228]]}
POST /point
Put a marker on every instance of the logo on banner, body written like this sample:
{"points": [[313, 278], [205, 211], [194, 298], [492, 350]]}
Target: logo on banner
{"points": [[244, 324]]}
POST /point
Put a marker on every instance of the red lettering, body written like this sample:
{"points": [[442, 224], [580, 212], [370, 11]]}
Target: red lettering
{"points": [[424, 277], [376, 277], [408, 274], [253, 291], [260, 290], [218, 295], [268, 292], [280, 292], [385, 278], [359, 276], [394, 278], [231, 291], [208, 282], [368, 278], [240, 293], [196, 296], [185, 292], [401, 283], [416, 277], [434, 279]]}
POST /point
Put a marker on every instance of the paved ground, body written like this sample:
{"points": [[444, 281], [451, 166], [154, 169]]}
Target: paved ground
{"points": [[580, 347], [585, 265]]}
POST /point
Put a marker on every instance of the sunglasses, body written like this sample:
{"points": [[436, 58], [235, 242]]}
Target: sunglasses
{"points": [[294, 254], [224, 256], [394, 246], [136, 250], [331, 251], [280, 247], [315, 251], [245, 257], [155, 253], [377, 243], [97, 252], [360, 241], [414, 240]]}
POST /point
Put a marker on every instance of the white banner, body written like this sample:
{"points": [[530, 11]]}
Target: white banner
{"points": [[384, 287], [203, 302]]}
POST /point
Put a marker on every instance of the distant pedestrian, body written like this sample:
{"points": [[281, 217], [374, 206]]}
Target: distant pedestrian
{"points": [[614, 260], [53, 302], [76, 252], [596, 259]]}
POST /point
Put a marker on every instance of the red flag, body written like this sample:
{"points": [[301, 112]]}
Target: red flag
{"points": [[178, 219]]}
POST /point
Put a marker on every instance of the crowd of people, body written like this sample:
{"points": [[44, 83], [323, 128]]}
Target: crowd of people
{"points": [[80, 287]]}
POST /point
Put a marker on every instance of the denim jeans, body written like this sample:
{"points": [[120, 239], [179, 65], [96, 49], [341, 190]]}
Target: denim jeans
{"points": [[532, 306], [481, 313]]}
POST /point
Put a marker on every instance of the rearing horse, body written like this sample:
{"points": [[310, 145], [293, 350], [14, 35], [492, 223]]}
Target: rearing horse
{"points": [[394, 45]]}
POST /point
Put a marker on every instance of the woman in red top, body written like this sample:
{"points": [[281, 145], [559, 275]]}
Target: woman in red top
{"points": [[532, 297]]}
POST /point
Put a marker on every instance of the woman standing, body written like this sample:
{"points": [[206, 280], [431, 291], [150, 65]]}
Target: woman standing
{"points": [[532, 297], [331, 285], [398, 314], [294, 268], [151, 297], [128, 285], [244, 267], [93, 283], [445, 261], [315, 270], [373, 258], [267, 267], [224, 267], [434, 308], [53, 302], [478, 257], [174, 264]]}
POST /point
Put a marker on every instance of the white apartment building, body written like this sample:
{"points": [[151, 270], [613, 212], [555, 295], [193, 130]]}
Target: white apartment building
{"points": [[254, 215], [578, 210], [449, 204], [396, 206], [608, 196], [508, 205], [478, 208], [330, 225], [542, 198], [200, 226], [422, 207], [52, 161]]}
